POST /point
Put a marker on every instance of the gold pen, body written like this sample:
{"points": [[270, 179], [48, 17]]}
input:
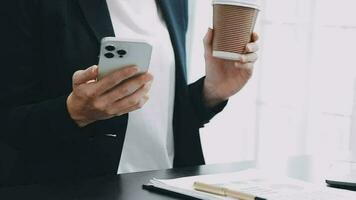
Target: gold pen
{"points": [[221, 191]]}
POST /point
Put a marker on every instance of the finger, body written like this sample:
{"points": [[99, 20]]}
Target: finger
{"points": [[252, 47], [121, 112], [139, 105], [248, 58], [254, 37], [208, 41], [84, 76], [247, 66], [134, 100], [126, 89], [125, 111], [113, 79]]}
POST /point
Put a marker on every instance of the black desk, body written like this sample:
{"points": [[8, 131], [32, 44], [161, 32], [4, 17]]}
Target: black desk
{"points": [[125, 186]]}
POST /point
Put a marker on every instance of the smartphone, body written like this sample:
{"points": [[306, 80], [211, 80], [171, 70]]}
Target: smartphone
{"points": [[116, 53]]}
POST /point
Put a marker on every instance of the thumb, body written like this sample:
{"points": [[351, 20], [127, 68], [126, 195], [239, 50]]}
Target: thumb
{"points": [[84, 76], [208, 41]]}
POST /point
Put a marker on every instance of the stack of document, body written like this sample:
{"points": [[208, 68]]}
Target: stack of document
{"points": [[250, 183]]}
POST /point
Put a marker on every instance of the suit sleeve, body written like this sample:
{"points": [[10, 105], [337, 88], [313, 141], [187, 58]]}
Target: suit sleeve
{"points": [[27, 115], [204, 113]]}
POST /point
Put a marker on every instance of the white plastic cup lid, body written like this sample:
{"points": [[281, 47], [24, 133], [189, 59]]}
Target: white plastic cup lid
{"points": [[245, 3]]}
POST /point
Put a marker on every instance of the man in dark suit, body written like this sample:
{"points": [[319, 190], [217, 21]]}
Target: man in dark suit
{"points": [[58, 120]]}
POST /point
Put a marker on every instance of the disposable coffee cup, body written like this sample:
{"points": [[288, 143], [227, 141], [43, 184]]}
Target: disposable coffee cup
{"points": [[233, 23]]}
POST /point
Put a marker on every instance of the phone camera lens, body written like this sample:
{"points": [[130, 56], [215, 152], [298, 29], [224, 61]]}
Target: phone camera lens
{"points": [[121, 52], [109, 55], [110, 48]]}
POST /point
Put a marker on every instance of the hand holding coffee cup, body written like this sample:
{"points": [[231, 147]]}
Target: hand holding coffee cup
{"points": [[230, 50]]}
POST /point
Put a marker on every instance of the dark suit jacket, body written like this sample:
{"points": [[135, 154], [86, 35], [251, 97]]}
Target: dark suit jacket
{"points": [[44, 43]]}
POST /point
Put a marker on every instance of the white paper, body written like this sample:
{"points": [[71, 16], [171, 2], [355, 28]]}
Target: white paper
{"points": [[257, 183]]}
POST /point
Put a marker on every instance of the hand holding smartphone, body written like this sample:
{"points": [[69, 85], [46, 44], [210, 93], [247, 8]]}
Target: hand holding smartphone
{"points": [[117, 91]]}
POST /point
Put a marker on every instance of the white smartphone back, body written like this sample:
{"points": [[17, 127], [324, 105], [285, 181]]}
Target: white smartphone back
{"points": [[116, 53]]}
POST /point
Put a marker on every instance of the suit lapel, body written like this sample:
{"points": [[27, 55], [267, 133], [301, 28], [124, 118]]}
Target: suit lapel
{"points": [[97, 14]]}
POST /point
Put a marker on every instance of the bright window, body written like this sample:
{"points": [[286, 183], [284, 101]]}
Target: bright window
{"points": [[302, 97]]}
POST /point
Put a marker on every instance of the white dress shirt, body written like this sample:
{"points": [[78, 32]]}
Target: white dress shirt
{"points": [[149, 137]]}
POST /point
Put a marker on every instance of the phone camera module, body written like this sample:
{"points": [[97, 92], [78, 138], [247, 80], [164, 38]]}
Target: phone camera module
{"points": [[109, 55], [110, 48], [121, 53]]}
